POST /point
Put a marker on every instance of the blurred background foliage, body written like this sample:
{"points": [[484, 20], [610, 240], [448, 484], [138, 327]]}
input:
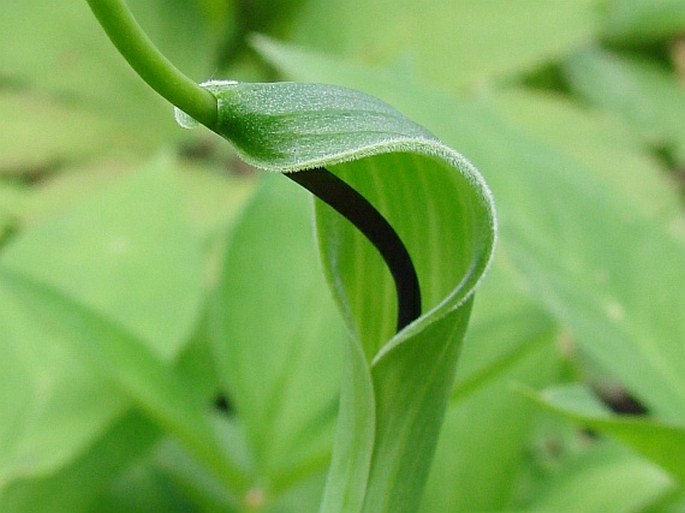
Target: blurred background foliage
{"points": [[570, 394]]}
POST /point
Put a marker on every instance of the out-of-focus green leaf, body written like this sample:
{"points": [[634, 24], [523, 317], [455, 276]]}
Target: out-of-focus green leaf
{"points": [[75, 488], [213, 201], [54, 56], [55, 194], [612, 275], [167, 479], [601, 142], [646, 95], [506, 326], [479, 456], [137, 372], [662, 443], [210, 199], [454, 43], [643, 21], [39, 132], [53, 407], [277, 338], [218, 15], [605, 478], [126, 251], [395, 389], [140, 490], [68, 54], [12, 201]]}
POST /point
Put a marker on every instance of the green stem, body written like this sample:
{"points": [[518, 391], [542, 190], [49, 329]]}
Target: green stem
{"points": [[153, 67]]}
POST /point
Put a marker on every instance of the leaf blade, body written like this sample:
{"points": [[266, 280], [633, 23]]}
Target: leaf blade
{"points": [[396, 165]]}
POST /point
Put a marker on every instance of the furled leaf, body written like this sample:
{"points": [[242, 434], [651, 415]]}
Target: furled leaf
{"points": [[661, 442], [610, 273], [395, 388]]}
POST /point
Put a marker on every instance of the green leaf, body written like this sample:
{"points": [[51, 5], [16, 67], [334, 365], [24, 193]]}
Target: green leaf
{"points": [[598, 140], [605, 478], [276, 336], [395, 388], [583, 251], [213, 201], [12, 200], [450, 43], [127, 252], [643, 21], [46, 51], [644, 94], [40, 131], [54, 407], [505, 329], [509, 339], [661, 442], [166, 479], [74, 488], [136, 371]]}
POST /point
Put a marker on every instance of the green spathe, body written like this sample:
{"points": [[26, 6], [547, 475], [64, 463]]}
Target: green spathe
{"points": [[396, 386]]}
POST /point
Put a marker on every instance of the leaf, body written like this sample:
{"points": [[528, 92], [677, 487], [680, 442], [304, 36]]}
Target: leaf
{"points": [[505, 329], [454, 44], [644, 94], [125, 251], [54, 407], [598, 140], [276, 336], [75, 488], [137, 372], [52, 60], [643, 21], [395, 389], [41, 132], [509, 339], [583, 251], [12, 200], [661, 442], [213, 201], [166, 479], [605, 478]]}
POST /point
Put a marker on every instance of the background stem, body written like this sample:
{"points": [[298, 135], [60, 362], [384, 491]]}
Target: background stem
{"points": [[153, 67]]}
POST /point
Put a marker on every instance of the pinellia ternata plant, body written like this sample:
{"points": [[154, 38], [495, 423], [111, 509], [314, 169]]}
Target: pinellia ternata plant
{"points": [[406, 230]]}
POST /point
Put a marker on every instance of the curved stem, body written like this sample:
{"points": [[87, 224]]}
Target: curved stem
{"points": [[356, 208], [160, 74], [153, 67]]}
